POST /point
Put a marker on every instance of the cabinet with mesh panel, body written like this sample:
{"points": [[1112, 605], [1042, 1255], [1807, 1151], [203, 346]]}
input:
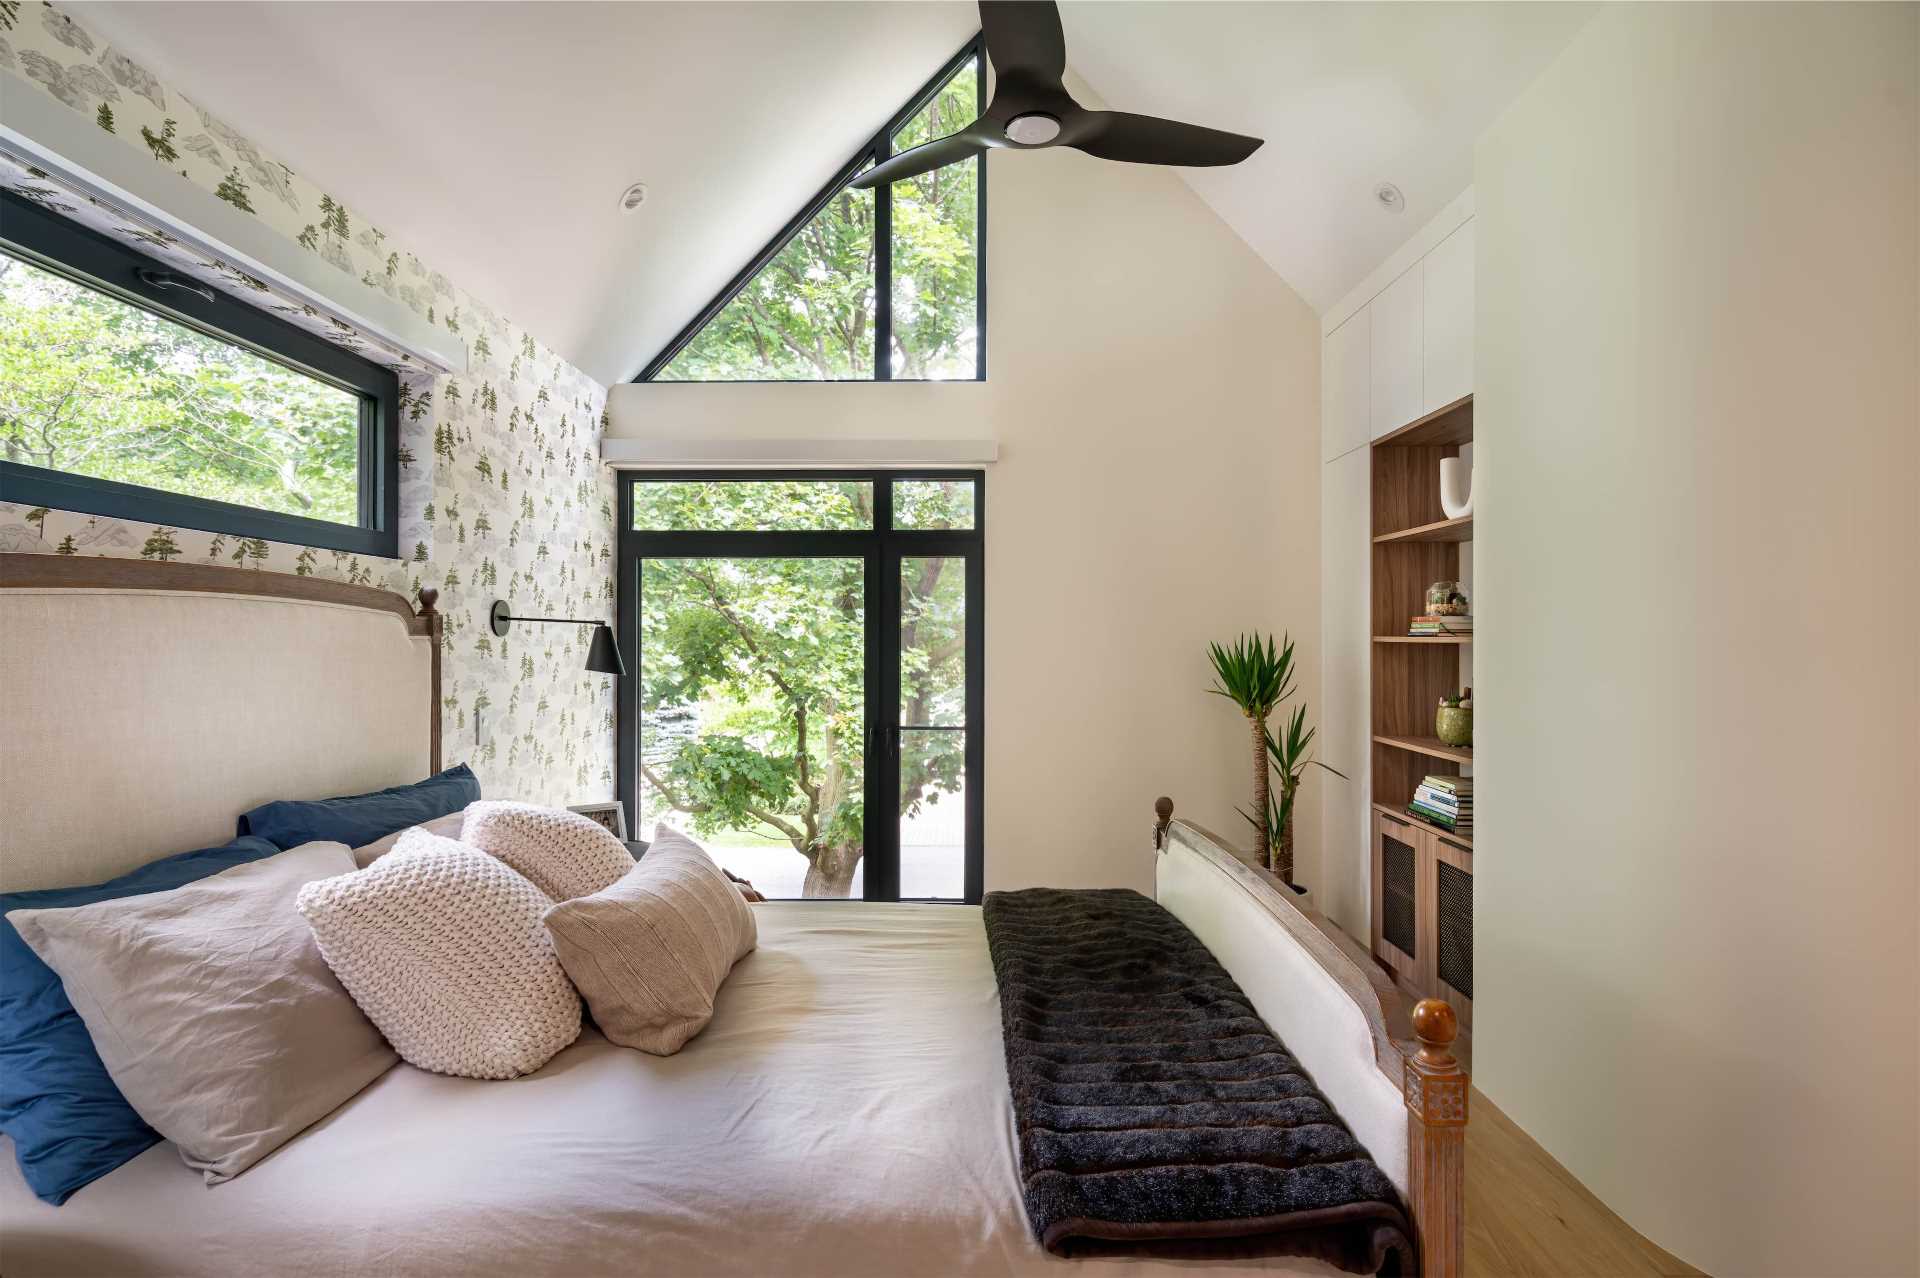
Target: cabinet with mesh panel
{"points": [[1423, 910]]}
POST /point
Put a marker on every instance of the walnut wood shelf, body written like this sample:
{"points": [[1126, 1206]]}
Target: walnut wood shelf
{"points": [[1446, 426], [1432, 747], [1455, 640], [1445, 530], [1401, 814]]}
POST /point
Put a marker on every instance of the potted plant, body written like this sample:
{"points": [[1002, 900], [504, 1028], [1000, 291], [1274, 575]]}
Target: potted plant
{"points": [[1289, 756], [1453, 720], [1256, 677]]}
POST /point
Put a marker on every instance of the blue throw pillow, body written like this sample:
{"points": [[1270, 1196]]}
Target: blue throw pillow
{"points": [[70, 1125], [358, 819]]}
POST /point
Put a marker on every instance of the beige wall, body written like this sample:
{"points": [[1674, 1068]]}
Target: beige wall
{"points": [[1154, 389], [1698, 681]]}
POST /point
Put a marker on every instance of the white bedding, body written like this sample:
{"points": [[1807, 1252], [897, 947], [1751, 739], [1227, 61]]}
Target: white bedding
{"points": [[846, 1112]]}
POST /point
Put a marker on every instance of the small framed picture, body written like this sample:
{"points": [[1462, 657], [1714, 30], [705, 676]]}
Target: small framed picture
{"points": [[611, 815]]}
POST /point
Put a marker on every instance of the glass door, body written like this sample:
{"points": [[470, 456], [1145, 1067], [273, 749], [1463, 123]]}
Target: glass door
{"points": [[808, 658], [753, 718]]}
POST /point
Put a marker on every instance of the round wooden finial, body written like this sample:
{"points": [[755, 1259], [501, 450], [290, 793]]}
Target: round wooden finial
{"points": [[1163, 808], [1435, 1025], [428, 597]]}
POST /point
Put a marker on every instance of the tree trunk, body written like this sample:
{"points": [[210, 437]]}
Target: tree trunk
{"points": [[1283, 851], [1262, 794], [830, 873]]}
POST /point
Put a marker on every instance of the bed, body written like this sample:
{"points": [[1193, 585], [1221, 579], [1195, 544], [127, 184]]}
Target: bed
{"points": [[846, 1111]]}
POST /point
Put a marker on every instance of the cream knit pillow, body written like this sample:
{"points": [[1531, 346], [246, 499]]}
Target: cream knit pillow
{"points": [[650, 951], [564, 853], [443, 948]]}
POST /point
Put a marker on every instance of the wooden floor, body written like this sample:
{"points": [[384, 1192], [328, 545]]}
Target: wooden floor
{"points": [[1527, 1217]]}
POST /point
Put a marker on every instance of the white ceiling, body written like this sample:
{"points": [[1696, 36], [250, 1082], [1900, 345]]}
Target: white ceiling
{"points": [[1346, 95], [495, 138]]}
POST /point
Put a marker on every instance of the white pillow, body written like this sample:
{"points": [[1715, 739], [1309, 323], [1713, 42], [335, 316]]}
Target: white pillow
{"points": [[564, 853], [447, 826], [444, 948]]}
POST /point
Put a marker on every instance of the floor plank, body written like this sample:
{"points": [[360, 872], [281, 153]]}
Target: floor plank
{"points": [[1527, 1217]]}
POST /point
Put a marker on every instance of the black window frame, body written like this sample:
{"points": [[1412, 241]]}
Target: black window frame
{"points": [[44, 239], [882, 547], [874, 150]]}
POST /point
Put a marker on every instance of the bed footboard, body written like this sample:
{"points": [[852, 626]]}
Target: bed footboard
{"points": [[1407, 1102]]}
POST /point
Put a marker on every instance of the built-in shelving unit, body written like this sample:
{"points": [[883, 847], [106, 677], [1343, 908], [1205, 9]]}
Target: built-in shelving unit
{"points": [[1432, 747], [1445, 530], [1422, 872], [1464, 840]]}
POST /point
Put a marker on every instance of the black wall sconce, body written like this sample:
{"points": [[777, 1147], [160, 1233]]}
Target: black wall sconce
{"points": [[603, 654]]}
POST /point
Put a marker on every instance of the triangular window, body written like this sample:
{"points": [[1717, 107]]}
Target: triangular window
{"points": [[857, 288]]}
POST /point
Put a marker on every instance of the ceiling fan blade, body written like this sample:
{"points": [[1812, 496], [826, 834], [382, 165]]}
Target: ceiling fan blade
{"points": [[1024, 38], [924, 158], [1146, 139]]}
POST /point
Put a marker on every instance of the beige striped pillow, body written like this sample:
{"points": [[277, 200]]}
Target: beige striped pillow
{"points": [[650, 951]]}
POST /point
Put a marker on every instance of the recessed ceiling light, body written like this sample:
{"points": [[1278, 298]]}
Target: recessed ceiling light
{"points": [[1389, 196], [633, 197]]}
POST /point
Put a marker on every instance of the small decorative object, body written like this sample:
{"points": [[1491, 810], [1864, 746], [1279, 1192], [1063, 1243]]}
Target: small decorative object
{"points": [[1453, 721], [611, 815], [1446, 599], [1456, 488]]}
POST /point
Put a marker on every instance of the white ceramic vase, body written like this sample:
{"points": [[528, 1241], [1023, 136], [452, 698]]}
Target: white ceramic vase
{"points": [[1456, 488]]}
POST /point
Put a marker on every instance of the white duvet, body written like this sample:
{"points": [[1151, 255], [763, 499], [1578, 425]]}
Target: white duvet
{"points": [[846, 1112]]}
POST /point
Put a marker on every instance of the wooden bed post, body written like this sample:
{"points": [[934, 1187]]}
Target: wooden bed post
{"points": [[1436, 1092], [1162, 818], [433, 621]]}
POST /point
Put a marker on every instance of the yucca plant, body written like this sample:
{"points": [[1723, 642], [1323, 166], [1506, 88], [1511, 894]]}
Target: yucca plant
{"points": [[1288, 754], [1255, 676]]}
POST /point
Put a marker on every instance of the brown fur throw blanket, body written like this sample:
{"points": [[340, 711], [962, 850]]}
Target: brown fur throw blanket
{"points": [[1153, 1103]]}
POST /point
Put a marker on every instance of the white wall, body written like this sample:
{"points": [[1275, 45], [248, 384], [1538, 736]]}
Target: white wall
{"points": [[1154, 389], [1696, 417]]}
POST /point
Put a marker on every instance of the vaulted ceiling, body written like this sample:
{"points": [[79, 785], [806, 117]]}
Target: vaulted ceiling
{"points": [[495, 139]]}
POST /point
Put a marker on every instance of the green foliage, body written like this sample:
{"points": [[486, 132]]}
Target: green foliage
{"points": [[234, 191], [104, 117], [753, 680], [753, 505], [161, 144], [1253, 674], [1291, 755], [92, 386], [808, 315]]}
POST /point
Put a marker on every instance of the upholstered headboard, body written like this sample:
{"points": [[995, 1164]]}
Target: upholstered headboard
{"points": [[144, 706]]}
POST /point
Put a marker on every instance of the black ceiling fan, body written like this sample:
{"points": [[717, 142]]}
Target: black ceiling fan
{"points": [[1031, 109]]}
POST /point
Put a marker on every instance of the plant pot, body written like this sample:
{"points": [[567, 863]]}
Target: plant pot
{"points": [[1454, 725]]}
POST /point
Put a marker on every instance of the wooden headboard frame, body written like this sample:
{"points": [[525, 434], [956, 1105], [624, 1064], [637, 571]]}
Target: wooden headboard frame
{"points": [[1421, 1064]]}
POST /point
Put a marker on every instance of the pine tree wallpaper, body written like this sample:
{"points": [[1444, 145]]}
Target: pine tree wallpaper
{"points": [[502, 493]]}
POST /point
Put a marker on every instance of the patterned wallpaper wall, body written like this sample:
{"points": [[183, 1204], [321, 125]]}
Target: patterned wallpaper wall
{"points": [[502, 494]]}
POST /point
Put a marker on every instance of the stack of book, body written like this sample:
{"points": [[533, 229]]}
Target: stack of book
{"points": [[1440, 626], [1445, 801]]}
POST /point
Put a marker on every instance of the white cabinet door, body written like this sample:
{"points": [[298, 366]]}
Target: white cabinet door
{"points": [[1346, 651], [1346, 374], [1449, 322], [1346, 386], [1399, 322]]}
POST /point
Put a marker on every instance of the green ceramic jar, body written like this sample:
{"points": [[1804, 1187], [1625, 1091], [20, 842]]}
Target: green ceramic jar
{"points": [[1454, 725]]}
